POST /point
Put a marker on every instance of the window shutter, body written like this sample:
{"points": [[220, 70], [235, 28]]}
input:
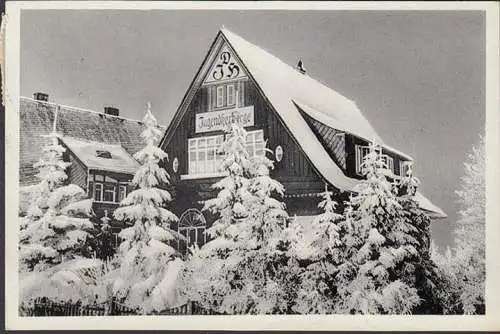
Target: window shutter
{"points": [[213, 95], [204, 99], [241, 93]]}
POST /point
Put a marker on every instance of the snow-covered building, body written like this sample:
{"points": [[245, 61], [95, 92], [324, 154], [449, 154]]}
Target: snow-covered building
{"points": [[99, 146], [316, 135]]}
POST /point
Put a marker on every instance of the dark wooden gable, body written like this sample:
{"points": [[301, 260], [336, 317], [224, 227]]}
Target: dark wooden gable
{"points": [[295, 170]]}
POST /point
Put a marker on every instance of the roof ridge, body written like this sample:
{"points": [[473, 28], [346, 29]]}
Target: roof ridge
{"points": [[305, 75], [84, 109], [89, 141]]}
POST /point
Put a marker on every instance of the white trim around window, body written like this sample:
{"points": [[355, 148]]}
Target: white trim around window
{"points": [[230, 94], [98, 187], [362, 151], [122, 192], [220, 96]]}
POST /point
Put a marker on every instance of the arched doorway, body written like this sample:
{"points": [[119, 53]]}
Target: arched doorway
{"points": [[192, 225]]}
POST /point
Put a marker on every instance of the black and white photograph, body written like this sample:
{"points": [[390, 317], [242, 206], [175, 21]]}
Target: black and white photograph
{"points": [[221, 160]]}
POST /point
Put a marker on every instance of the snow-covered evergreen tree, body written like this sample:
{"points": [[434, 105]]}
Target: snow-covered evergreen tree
{"points": [[470, 234], [145, 256], [418, 270], [209, 273], [378, 243], [54, 233], [244, 269], [320, 247], [463, 267], [57, 225]]}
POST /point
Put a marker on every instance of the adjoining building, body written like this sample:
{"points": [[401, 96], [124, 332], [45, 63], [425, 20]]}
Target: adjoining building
{"points": [[317, 136], [100, 147]]}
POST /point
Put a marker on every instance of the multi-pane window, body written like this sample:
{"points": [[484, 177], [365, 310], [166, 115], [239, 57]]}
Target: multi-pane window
{"points": [[122, 192], [225, 95], [205, 154], [109, 193], [255, 143], [192, 226], [220, 96], [107, 189], [389, 162], [98, 191], [403, 168], [363, 151], [230, 95]]}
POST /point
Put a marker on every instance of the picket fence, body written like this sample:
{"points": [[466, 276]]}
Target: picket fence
{"points": [[43, 307]]}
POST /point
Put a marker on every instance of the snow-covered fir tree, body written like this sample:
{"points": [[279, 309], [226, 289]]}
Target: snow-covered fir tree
{"points": [[463, 267], [209, 272], [55, 229], [145, 257], [57, 225], [243, 269], [320, 248], [378, 242], [418, 270]]}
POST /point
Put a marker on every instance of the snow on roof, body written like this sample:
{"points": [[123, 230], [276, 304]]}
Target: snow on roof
{"points": [[284, 83], [36, 119], [285, 87], [87, 151]]}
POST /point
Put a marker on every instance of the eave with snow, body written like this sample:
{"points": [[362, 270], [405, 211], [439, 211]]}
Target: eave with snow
{"points": [[316, 135]]}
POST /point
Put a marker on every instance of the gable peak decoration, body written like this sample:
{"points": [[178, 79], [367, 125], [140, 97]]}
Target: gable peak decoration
{"points": [[225, 67]]}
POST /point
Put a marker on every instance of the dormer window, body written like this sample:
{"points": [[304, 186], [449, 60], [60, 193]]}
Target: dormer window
{"points": [[363, 151], [103, 154]]}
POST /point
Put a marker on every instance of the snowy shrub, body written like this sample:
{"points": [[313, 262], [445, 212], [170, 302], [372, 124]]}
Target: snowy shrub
{"points": [[147, 264]]}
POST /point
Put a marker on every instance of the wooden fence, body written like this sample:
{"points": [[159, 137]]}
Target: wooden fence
{"points": [[43, 307]]}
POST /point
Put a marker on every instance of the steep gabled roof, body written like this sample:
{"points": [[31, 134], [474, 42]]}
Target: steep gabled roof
{"points": [[90, 153], [36, 119], [289, 91]]}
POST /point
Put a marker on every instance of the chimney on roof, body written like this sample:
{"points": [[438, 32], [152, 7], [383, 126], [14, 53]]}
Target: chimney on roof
{"points": [[300, 67], [112, 111], [39, 96]]}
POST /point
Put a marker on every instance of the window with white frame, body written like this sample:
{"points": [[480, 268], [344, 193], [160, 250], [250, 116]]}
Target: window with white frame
{"points": [[231, 100], [98, 191], [388, 162], [122, 192], [403, 168], [205, 155], [226, 95], [255, 143], [220, 96], [363, 151], [107, 189], [109, 193], [192, 225]]}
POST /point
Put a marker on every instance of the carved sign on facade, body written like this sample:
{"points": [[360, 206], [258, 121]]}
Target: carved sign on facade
{"points": [[225, 67], [221, 119]]}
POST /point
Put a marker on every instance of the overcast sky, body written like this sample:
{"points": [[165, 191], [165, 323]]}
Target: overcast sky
{"points": [[418, 78]]}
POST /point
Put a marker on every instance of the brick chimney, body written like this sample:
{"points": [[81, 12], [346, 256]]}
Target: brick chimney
{"points": [[39, 96], [112, 111]]}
